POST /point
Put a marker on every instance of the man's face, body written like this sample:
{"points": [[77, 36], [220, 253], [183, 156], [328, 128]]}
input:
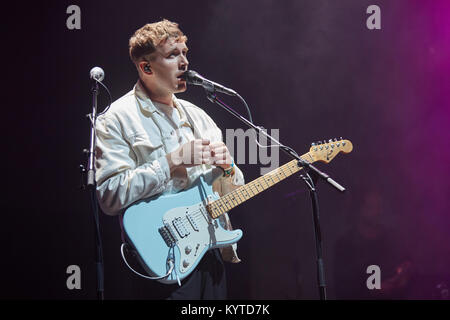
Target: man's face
{"points": [[167, 64]]}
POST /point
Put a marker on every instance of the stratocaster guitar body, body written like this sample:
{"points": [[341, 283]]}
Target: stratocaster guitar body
{"points": [[176, 226]]}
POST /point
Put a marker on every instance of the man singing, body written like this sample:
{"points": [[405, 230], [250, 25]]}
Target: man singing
{"points": [[149, 143]]}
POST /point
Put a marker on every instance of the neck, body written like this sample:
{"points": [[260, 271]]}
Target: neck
{"points": [[165, 98]]}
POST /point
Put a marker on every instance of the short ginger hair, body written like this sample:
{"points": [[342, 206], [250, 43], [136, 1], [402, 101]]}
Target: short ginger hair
{"points": [[145, 40]]}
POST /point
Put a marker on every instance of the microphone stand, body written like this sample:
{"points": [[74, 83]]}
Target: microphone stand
{"points": [[91, 186], [310, 182]]}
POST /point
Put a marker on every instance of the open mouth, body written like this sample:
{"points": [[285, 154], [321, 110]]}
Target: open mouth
{"points": [[179, 77]]}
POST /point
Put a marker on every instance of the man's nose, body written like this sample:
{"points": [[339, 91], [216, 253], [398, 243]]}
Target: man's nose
{"points": [[184, 63]]}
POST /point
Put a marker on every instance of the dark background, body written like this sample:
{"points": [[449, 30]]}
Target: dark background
{"points": [[311, 69]]}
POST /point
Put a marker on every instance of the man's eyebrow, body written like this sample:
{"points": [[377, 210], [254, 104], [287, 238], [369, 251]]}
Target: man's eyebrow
{"points": [[177, 48], [181, 49]]}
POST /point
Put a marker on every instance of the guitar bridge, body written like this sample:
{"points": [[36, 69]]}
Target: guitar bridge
{"points": [[167, 236]]}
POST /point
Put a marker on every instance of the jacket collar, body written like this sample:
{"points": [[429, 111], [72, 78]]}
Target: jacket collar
{"points": [[147, 105]]}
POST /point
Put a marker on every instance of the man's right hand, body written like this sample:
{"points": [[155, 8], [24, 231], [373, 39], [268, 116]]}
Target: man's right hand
{"points": [[190, 154]]}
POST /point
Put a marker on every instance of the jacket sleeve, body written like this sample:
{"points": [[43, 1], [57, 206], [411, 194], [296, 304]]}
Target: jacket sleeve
{"points": [[120, 182]]}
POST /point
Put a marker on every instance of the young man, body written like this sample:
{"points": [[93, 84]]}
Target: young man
{"points": [[149, 142]]}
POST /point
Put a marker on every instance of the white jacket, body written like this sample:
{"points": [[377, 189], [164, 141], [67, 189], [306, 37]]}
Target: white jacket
{"points": [[132, 140]]}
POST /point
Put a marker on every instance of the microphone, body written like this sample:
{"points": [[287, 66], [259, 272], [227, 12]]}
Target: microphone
{"points": [[194, 78], [97, 74]]}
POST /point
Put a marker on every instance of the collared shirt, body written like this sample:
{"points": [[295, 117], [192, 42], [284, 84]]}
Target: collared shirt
{"points": [[133, 138]]}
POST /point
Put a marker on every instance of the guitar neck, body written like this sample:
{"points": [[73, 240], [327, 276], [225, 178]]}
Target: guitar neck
{"points": [[251, 189]]}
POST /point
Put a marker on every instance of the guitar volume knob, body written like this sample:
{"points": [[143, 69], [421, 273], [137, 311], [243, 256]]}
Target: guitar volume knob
{"points": [[185, 263], [188, 249]]}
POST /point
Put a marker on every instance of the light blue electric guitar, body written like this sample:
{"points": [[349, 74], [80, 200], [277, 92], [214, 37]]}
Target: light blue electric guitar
{"points": [[171, 233]]}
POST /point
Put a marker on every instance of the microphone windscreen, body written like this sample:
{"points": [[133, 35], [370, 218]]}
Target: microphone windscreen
{"points": [[97, 73]]}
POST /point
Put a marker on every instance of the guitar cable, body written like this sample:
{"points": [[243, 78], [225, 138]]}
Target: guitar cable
{"points": [[170, 261]]}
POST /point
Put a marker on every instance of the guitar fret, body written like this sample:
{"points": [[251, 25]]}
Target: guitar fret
{"points": [[235, 199], [289, 168], [239, 196], [264, 179], [222, 204], [261, 180], [219, 210], [225, 202], [263, 185], [216, 210], [283, 169], [245, 189], [232, 200], [277, 174], [249, 188], [237, 193]]}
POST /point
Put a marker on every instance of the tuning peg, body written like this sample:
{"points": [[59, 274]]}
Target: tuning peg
{"points": [[332, 143]]}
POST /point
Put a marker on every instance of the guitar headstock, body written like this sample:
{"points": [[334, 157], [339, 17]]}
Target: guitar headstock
{"points": [[326, 151]]}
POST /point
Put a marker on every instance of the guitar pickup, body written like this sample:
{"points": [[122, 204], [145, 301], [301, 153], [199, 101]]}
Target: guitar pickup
{"points": [[180, 227], [192, 222]]}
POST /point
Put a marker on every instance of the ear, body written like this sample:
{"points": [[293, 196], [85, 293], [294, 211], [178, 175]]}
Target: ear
{"points": [[144, 66]]}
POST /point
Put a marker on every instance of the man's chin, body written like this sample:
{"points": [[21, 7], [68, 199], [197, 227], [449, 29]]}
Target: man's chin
{"points": [[182, 87]]}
